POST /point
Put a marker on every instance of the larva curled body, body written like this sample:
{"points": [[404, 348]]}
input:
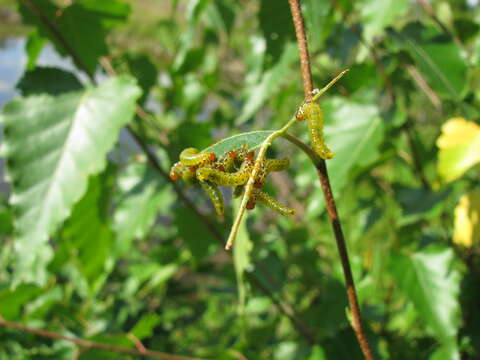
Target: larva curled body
{"points": [[222, 178], [314, 116], [214, 193], [191, 157], [272, 203]]}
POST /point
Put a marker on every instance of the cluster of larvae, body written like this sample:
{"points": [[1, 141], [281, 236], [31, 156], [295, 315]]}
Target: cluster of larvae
{"points": [[233, 169]]}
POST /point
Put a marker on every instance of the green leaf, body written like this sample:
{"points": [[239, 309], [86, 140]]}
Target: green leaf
{"points": [[39, 80], [446, 74], [276, 24], [419, 203], [33, 48], [429, 280], [84, 26], [193, 232], [459, 146], [12, 301], [142, 194], [52, 144], [320, 20], [270, 84], [144, 327], [89, 224], [252, 140], [378, 15]]}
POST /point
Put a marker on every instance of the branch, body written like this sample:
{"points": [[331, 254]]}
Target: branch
{"points": [[87, 344], [327, 191]]}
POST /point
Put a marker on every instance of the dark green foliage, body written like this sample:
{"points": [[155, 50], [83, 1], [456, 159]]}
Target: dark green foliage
{"points": [[95, 242]]}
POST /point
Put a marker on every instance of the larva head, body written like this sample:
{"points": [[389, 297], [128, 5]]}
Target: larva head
{"points": [[301, 114], [174, 176], [250, 155], [176, 171], [251, 204], [211, 156], [232, 154]]}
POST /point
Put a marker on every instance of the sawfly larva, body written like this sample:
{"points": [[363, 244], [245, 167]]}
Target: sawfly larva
{"points": [[272, 203], [214, 194], [191, 157]]}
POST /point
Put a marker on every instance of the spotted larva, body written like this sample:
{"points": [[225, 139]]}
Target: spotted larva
{"points": [[273, 204], [191, 157], [314, 116], [214, 194], [222, 178]]}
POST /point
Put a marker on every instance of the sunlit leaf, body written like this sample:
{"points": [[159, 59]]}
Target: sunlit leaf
{"points": [[373, 22], [52, 144], [270, 83], [142, 194], [252, 140], [427, 278], [89, 224], [144, 327], [459, 146], [467, 220]]}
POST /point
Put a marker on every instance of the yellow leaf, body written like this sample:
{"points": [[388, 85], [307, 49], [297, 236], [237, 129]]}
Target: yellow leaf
{"points": [[467, 220], [459, 146]]}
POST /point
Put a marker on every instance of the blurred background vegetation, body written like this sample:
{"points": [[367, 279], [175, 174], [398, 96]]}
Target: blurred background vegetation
{"points": [[125, 257]]}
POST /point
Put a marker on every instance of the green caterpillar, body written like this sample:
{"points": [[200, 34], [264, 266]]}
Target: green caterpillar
{"points": [[273, 204], [277, 165], [214, 193], [191, 157], [314, 116], [222, 178]]}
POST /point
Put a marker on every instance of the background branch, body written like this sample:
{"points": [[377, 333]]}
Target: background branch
{"points": [[87, 344], [327, 191]]}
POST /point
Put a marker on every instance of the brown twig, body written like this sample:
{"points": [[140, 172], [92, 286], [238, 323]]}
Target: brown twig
{"points": [[423, 85], [328, 195], [284, 308], [87, 344]]}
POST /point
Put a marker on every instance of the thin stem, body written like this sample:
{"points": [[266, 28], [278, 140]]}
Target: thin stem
{"points": [[329, 85], [327, 192], [87, 344]]}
